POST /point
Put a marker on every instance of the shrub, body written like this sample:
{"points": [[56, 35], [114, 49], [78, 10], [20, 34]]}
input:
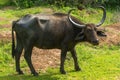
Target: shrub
{"points": [[62, 3]]}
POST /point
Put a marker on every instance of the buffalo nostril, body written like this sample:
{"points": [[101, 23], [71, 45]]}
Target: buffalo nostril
{"points": [[95, 41]]}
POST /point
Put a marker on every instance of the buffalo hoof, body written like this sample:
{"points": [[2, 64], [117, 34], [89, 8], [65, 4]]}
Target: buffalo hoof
{"points": [[63, 72], [35, 74], [20, 72], [78, 69]]}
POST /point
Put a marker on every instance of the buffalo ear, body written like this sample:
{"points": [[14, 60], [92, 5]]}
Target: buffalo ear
{"points": [[101, 33]]}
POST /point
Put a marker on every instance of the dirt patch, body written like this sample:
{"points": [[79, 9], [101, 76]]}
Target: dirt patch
{"points": [[5, 26], [113, 35], [5, 35], [8, 8], [47, 10], [1, 18], [42, 59]]}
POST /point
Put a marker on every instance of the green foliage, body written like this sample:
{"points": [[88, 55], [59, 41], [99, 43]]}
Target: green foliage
{"points": [[112, 3], [64, 3], [23, 3], [60, 3]]}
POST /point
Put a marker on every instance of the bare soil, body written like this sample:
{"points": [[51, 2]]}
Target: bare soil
{"points": [[113, 35], [42, 59]]}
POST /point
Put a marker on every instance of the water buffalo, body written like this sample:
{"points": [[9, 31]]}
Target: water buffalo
{"points": [[57, 30]]}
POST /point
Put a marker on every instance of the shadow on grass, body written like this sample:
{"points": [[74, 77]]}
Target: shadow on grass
{"points": [[42, 76], [30, 77]]}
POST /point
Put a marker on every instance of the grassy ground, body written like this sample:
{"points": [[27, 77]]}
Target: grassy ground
{"points": [[97, 62], [8, 14], [3, 2]]}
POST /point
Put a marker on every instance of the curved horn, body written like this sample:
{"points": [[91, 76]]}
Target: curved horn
{"points": [[76, 24], [103, 18]]}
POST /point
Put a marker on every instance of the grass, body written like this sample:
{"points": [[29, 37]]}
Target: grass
{"points": [[8, 15], [97, 62], [3, 2], [87, 15], [90, 15]]}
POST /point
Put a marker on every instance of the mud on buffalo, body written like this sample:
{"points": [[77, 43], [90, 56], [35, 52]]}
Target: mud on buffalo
{"points": [[48, 31]]}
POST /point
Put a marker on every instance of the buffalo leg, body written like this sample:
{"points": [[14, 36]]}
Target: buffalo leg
{"points": [[63, 56], [73, 52], [18, 52], [27, 55]]}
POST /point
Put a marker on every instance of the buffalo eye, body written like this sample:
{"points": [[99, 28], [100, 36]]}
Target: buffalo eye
{"points": [[95, 29], [89, 30]]}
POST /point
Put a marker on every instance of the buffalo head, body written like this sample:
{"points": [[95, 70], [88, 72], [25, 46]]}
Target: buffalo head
{"points": [[89, 30]]}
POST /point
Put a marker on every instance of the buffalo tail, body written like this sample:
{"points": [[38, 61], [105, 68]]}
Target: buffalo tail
{"points": [[13, 40]]}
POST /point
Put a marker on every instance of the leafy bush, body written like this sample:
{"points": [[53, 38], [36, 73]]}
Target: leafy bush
{"points": [[111, 3], [62, 3], [23, 3]]}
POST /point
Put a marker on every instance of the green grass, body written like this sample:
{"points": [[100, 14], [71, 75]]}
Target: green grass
{"points": [[90, 15], [8, 15], [87, 15], [3, 2], [97, 62]]}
